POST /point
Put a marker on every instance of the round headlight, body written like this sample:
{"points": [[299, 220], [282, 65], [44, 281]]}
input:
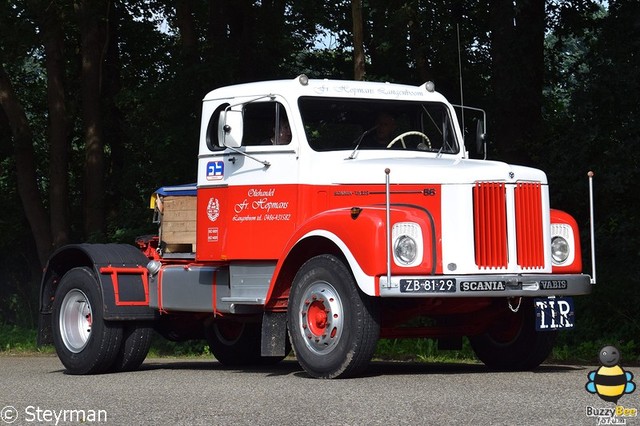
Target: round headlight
{"points": [[559, 249], [405, 249]]}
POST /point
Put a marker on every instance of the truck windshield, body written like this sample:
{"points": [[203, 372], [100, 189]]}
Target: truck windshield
{"points": [[337, 124]]}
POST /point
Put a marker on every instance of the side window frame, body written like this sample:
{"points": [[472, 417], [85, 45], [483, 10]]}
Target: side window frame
{"points": [[213, 142], [266, 117]]}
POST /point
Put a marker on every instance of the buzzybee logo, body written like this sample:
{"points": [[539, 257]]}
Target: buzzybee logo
{"points": [[610, 382]]}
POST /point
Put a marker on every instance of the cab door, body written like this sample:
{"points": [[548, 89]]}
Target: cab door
{"points": [[247, 193]]}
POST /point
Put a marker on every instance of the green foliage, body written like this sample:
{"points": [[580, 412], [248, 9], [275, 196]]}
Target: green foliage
{"points": [[587, 352], [20, 340], [153, 84], [14, 339], [161, 347], [567, 350], [424, 350], [592, 125]]}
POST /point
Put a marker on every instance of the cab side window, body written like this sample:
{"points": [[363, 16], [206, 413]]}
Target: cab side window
{"points": [[266, 123]]}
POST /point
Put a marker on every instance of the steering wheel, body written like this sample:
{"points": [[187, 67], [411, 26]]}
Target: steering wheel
{"points": [[410, 133]]}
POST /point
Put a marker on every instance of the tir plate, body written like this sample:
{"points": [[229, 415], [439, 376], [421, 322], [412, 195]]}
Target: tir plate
{"points": [[428, 285], [554, 313]]}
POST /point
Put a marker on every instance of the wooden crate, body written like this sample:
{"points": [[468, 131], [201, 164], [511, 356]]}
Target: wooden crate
{"points": [[178, 224]]}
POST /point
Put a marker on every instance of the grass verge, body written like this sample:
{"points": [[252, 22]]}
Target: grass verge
{"points": [[422, 350], [16, 340]]}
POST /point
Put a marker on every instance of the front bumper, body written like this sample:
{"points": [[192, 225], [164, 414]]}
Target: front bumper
{"points": [[507, 285]]}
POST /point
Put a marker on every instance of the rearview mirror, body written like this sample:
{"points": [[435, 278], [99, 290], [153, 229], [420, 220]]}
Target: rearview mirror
{"points": [[230, 128]]}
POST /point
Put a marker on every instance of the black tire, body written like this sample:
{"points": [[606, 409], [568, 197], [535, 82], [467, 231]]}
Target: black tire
{"points": [[514, 344], [237, 344], [135, 346], [333, 327], [84, 341]]}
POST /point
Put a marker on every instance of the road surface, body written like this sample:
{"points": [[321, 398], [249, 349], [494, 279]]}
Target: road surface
{"points": [[196, 391]]}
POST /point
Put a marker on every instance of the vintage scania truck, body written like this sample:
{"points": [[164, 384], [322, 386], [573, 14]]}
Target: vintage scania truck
{"points": [[326, 215]]}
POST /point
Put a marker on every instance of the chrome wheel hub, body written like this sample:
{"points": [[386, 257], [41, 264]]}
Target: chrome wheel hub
{"points": [[75, 320], [321, 317]]}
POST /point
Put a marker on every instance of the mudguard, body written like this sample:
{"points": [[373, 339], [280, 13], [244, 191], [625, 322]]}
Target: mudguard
{"points": [[359, 235], [120, 271], [363, 231]]}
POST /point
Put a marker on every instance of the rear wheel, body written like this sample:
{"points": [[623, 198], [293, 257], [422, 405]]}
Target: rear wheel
{"points": [[237, 344], [84, 341], [513, 344], [333, 327], [135, 346]]}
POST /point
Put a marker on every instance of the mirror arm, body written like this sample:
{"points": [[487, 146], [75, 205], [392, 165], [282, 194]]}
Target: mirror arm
{"points": [[237, 151]]}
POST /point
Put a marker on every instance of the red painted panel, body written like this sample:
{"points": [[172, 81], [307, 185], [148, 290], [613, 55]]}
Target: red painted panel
{"points": [[558, 216], [490, 224], [529, 234], [256, 222], [115, 271], [211, 227]]}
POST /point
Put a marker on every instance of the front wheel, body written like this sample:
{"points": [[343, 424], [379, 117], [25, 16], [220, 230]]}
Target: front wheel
{"points": [[333, 327], [513, 344], [84, 341]]}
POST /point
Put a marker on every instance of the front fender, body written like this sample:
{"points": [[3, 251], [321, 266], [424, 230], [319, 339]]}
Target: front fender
{"points": [[360, 235], [569, 229]]}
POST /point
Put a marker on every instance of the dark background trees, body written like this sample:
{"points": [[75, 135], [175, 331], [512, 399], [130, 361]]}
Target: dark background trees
{"points": [[100, 104]]}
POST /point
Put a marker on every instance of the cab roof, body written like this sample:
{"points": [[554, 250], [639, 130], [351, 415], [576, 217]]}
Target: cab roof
{"points": [[303, 86]]}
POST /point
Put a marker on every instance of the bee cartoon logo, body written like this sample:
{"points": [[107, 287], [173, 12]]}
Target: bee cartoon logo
{"points": [[610, 381]]}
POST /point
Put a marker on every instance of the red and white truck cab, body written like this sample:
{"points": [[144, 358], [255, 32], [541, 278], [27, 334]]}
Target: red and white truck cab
{"points": [[326, 215]]}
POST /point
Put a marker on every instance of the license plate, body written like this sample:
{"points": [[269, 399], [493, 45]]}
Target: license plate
{"points": [[554, 313], [428, 285]]}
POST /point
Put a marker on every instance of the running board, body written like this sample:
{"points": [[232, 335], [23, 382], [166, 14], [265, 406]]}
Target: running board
{"points": [[243, 300]]}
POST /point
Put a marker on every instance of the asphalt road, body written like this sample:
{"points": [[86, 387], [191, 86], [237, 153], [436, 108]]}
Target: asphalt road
{"points": [[35, 390]]}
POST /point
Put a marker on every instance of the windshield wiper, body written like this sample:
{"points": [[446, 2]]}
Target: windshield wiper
{"points": [[359, 139]]}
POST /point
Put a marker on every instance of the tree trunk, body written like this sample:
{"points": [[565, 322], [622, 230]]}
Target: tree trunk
{"points": [[530, 27], [243, 29], [518, 66], [92, 16], [188, 37], [53, 40], [114, 134], [26, 174], [216, 49], [358, 40]]}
